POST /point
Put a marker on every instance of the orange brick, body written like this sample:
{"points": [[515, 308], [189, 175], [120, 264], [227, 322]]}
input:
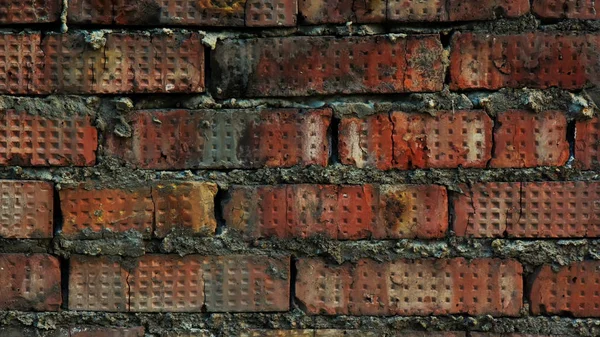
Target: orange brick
{"points": [[587, 143], [408, 141], [29, 11], [338, 212], [21, 63], [29, 282], [572, 9], [302, 66], [406, 287], [524, 139], [224, 139], [528, 210], [26, 209], [572, 290], [106, 332], [534, 60], [271, 13]]}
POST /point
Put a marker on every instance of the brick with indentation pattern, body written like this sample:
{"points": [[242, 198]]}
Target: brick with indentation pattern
{"points": [[572, 9], [587, 143], [83, 331], [26, 209], [29, 11]]}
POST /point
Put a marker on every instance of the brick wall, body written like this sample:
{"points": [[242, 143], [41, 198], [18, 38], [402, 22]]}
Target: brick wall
{"points": [[299, 168]]}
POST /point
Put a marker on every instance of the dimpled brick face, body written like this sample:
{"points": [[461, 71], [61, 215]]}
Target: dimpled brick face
{"points": [[587, 143], [416, 10], [26, 209], [98, 284], [28, 11], [271, 13], [21, 62], [574, 9]]}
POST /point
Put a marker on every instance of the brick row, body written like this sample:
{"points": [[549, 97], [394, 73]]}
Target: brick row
{"points": [[528, 210], [390, 11], [77, 331], [411, 287], [338, 212], [155, 210], [30, 282], [169, 283], [571, 9], [26, 209], [184, 139], [29, 11], [303, 66], [342, 333], [234, 13], [112, 63]]}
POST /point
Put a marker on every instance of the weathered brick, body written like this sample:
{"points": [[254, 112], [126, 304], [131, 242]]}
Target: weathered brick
{"points": [[587, 143], [271, 13], [572, 290], [326, 11], [408, 141], [534, 60], [192, 333], [528, 210], [26, 209], [29, 282], [319, 333], [523, 139], [106, 332], [572, 9], [149, 283], [29, 11], [224, 139], [411, 287], [34, 140], [338, 212], [21, 331], [301, 66], [488, 334], [460, 10], [159, 208]]}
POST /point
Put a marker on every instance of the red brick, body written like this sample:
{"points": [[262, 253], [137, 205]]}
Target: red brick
{"points": [[587, 143], [33, 140], [341, 333], [572, 290], [271, 13], [302, 66], [26, 209], [224, 139], [161, 207], [528, 210], [22, 331], [338, 212], [326, 11], [420, 287], [572, 9], [408, 141], [29, 282], [534, 60], [106, 332], [21, 63], [524, 139], [148, 284], [29, 11], [460, 10], [487, 334]]}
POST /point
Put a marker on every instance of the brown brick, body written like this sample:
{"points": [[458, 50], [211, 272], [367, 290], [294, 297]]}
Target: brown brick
{"points": [[460, 10], [534, 60], [26, 209], [33, 140], [572, 9], [224, 139], [528, 210], [587, 143], [29, 11], [22, 331], [271, 13], [193, 333], [319, 333], [338, 212], [488, 334], [407, 287], [524, 139], [408, 141], [572, 290], [29, 282], [302, 66], [316, 12], [149, 284], [161, 207], [106, 332]]}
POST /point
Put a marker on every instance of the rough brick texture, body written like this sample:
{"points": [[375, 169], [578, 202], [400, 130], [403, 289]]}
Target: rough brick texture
{"points": [[587, 143], [303, 66], [411, 140], [159, 209], [26, 209], [29, 282], [29, 11], [534, 60], [150, 283], [106, 332], [419, 287], [572, 9], [528, 210], [338, 212], [341, 333], [224, 139], [573, 289]]}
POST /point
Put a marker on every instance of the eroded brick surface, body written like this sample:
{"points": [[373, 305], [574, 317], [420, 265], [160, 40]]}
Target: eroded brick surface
{"points": [[224, 139], [271, 13], [534, 60], [338, 212], [411, 140], [411, 287], [587, 143], [302, 66], [573, 289], [524, 139], [29, 282], [572, 9], [528, 210], [106, 332], [29, 11], [26, 209]]}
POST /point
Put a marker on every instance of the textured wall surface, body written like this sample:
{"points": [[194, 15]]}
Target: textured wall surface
{"points": [[299, 168]]}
